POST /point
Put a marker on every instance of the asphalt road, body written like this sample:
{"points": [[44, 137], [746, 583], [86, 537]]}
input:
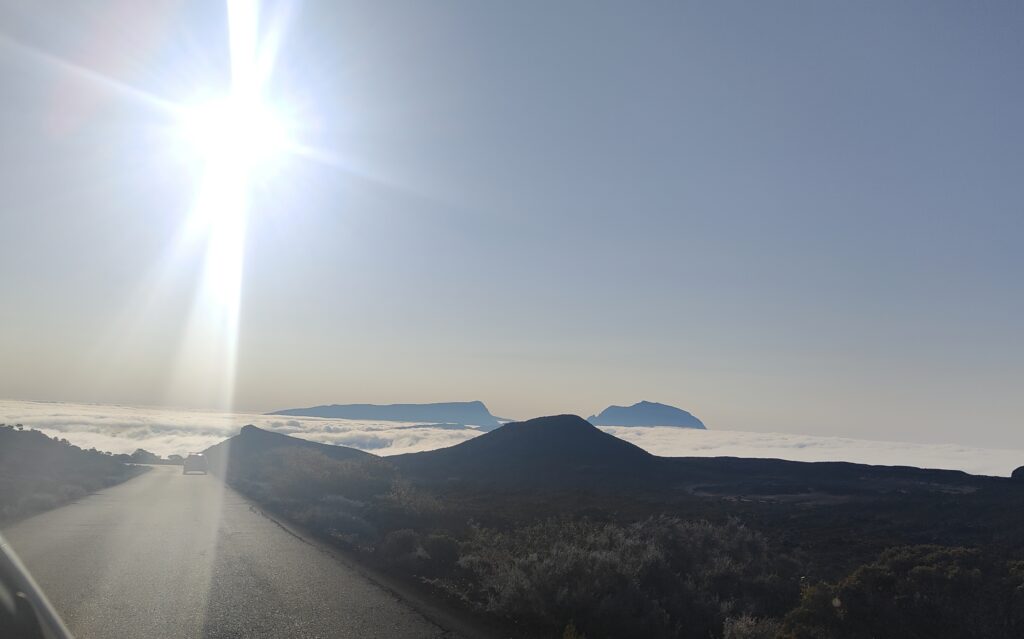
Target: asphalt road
{"points": [[167, 555]]}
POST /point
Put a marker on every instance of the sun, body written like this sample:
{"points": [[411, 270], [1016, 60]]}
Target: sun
{"points": [[240, 131], [235, 142]]}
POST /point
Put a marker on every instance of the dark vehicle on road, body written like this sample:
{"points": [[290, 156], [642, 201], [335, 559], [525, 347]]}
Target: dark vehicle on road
{"points": [[194, 463]]}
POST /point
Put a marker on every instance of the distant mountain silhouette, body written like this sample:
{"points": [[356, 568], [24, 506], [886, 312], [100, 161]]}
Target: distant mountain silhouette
{"points": [[464, 413], [646, 414], [565, 452], [558, 450], [252, 441]]}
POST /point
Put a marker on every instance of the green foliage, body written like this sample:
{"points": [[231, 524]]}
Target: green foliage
{"points": [[917, 591], [661, 577]]}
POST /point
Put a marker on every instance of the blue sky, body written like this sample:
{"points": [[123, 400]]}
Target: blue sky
{"points": [[798, 217]]}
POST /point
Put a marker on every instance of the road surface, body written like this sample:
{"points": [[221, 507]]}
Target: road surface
{"points": [[169, 555]]}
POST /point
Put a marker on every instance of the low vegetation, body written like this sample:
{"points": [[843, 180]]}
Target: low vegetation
{"points": [[659, 577], [143, 456], [917, 591], [38, 472], [666, 562]]}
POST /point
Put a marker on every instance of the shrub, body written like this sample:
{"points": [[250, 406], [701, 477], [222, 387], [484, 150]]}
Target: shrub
{"points": [[38, 472], [662, 577], [410, 499], [401, 548], [37, 502], [331, 520], [308, 476], [71, 492], [747, 627], [442, 551], [917, 591]]}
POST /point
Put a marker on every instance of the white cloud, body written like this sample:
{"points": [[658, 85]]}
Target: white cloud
{"points": [[122, 429], [684, 442]]}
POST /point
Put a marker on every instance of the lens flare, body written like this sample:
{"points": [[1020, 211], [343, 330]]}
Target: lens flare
{"points": [[235, 141]]}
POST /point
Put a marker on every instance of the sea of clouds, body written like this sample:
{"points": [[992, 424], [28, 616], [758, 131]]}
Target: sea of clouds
{"points": [[122, 429]]}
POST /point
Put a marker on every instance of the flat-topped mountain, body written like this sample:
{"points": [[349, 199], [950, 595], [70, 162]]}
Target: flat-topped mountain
{"points": [[464, 413], [542, 450], [646, 414]]}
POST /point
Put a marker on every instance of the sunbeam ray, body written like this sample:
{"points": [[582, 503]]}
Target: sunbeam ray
{"points": [[118, 88]]}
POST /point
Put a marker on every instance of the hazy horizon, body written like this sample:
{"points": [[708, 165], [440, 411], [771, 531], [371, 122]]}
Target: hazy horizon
{"points": [[123, 429], [790, 218]]}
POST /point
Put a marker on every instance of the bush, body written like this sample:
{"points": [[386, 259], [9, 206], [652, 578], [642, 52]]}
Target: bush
{"points": [[38, 472], [442, 551], [327, 495], [37, 502], [747, 627], [336, 522], [917, 591], [305, 475], [71, 492], [662, 577], [571, 632], [402, 549]]}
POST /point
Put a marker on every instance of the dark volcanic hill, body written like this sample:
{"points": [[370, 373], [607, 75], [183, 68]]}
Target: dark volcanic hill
{"points": [[566, 452], [562, 450], [252, 442], [464, 413], [646, 414]]}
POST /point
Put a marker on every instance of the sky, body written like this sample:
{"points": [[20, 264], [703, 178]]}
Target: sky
{"points": [[790, 217]]}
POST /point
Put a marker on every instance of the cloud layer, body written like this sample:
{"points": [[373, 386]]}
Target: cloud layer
{"points": [[122, 429], [680, 442]]}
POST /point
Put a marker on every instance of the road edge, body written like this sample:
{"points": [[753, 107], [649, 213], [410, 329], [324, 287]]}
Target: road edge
{"points": [[452, 624]]}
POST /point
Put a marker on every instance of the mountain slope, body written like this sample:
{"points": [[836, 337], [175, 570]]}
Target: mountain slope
{"points": [[465, 413], [38, 472], [646, 414], [557, 450], [251, 442]]}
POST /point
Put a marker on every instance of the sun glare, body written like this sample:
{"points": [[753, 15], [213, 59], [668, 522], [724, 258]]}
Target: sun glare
{"points": [[235, 143], [237, 130]]}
